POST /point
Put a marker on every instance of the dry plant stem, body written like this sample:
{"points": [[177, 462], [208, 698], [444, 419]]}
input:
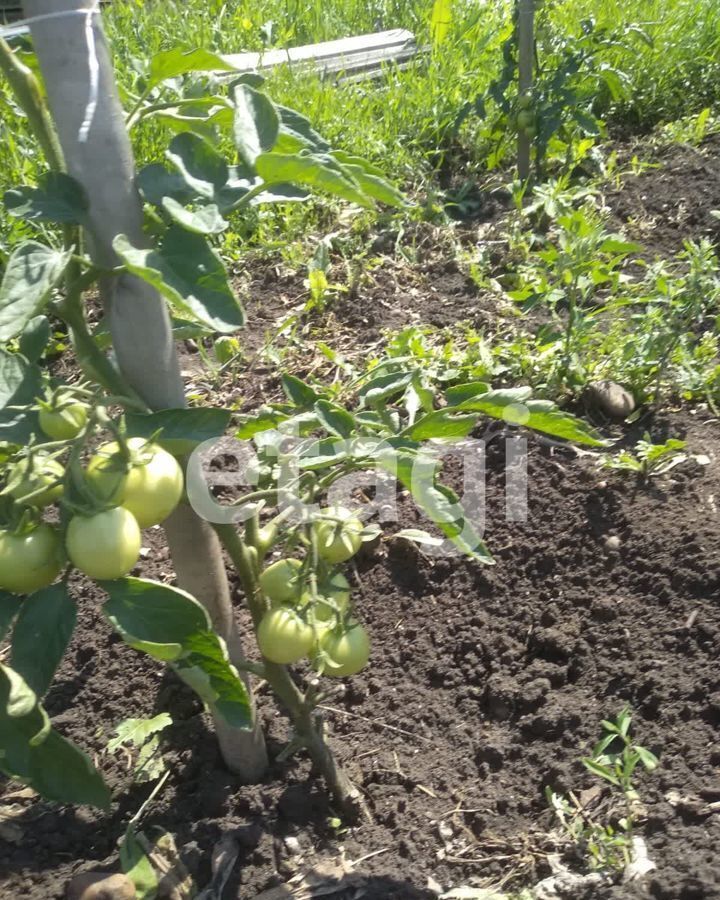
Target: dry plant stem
{"points": [[138, 317], [307, 730], [526, 63]]}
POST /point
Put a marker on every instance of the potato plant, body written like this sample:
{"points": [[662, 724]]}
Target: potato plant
{"points": [[87, 465]]}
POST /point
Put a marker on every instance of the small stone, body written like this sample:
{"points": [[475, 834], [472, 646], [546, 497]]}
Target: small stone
{"points": [[612, 543], [292, 845], [612, 398], [100, 886]]}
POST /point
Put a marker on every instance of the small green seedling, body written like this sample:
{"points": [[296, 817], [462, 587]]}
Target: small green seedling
{"points": [[614, 759], [649, 459]]}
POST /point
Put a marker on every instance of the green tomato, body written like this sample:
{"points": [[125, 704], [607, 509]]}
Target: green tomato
{"points": [[279, 581], [337, 589], [65, 423], [150, 489], [106, 545], [283, 637], [348, 649], [43, 473], [338, 541], [525, 119], [30, 561], [525, 101]]}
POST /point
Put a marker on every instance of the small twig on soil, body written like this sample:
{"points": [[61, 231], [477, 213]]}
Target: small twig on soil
{"points": [[344, 712], [356, 862]]}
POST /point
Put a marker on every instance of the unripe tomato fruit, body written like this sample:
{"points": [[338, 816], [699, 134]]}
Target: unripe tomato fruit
{"points": [[525, 101], [280, 581], [43, 473], [348, 650], [65, 423], [526, 119], [336, 588], [106, 545], [283, 637], [150, 490], [30, 561], [338, 541]]}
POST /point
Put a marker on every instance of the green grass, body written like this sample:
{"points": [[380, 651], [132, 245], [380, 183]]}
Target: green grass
{"points": [[405, 121], [402, 120]]}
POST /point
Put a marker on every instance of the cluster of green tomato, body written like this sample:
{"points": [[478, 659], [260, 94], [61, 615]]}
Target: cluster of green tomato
{"points": [[309, 612], [135, 488], [526, 119]]}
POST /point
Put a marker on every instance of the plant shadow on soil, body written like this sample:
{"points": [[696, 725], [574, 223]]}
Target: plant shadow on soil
{"points": [[485, 685]]}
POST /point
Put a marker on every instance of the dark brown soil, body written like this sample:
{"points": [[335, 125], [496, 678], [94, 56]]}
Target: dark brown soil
{"points": [[485, 686], [673, 200]]}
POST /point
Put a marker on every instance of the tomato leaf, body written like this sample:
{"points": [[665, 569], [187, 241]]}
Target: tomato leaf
{"points": [[550, 420], [383, 387], [33, 752], [41, 635], [516, 407], [371, 179], [156, 182], [298, 392], [441, 505], [31, 273], [442, 423], [9, 608], [317, 170], [137, 866], [205, 668], [335, 419], [57, 198], [152, 612], [461, 392], [20, 383], [34, 338], [172, 626], [202, 169], [265, 420], [189, 274], [256, 124], [205, 219], [298, 128], [171, 63], [182, 429], [137, 732]]}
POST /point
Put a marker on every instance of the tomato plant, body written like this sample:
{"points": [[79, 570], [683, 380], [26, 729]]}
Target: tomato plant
{"points": [[133, 405]]}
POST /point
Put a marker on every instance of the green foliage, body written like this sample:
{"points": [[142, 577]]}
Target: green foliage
{"points": [[171, 626], [33, 752], [614, 760], [179, 431], [648, 458], [391, 416], [41, 634], [142, 736]]}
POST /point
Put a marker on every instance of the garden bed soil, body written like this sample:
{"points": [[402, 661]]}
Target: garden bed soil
{"points": [[486, 685]]}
